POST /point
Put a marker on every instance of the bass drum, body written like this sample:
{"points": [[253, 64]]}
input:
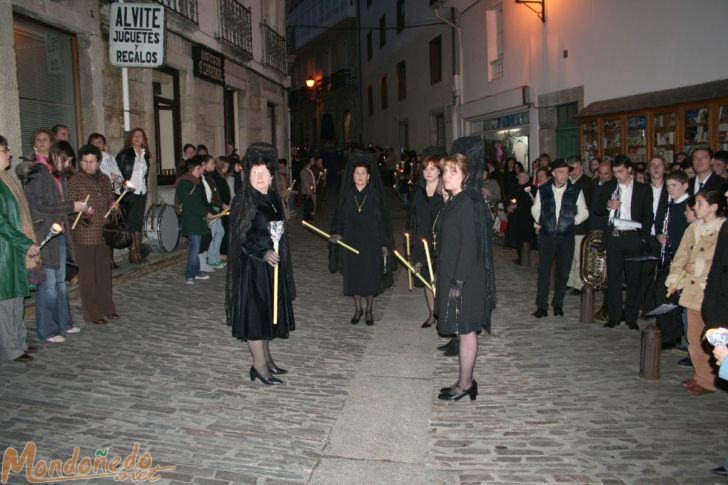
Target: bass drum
{"points": [[161, 228]]}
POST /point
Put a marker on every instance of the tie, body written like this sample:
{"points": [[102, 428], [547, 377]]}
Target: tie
{"points": [[700, 186]]}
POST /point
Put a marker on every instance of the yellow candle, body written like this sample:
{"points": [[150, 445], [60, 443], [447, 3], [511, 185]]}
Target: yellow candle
{"points": [[327, 236], [429, 264], [80, 213], [409, 267], [408, 254]]}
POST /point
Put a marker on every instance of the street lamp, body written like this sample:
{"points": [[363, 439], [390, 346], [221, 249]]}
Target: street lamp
{"points": [[310, 82]]}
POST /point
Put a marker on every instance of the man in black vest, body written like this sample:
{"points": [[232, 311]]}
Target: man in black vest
{"points": [[629, 207], [704, 178], [558, 208]]}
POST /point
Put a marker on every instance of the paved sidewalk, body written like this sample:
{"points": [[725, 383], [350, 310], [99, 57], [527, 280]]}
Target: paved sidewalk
{"points": [[560, 401]]}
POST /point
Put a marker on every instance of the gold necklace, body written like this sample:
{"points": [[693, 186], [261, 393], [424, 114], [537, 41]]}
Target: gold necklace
{"points": [[358, 205]]}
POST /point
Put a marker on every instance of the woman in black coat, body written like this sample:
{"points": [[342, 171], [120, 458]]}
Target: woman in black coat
{"points": [[362, 221], [465, 277], [716, 286], [426, 203], [251, 259], [133, 162], [520, 222]]}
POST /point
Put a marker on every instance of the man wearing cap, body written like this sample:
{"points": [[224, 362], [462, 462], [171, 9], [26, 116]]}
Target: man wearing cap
{"points": [[558, 208]]}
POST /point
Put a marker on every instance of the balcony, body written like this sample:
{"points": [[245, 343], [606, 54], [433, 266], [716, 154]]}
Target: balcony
{"points": [[311, 18], [235, 26], [275, 54], [186, 8], [495, 69]]}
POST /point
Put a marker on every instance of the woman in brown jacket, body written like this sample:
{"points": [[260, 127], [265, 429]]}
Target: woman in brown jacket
{"points": [[92, 254], [688, 272]]}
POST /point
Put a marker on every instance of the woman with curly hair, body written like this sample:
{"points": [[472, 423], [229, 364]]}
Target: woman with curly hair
{"points": [[251, 263]]}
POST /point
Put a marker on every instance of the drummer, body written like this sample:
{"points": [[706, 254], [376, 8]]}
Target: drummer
{"points": [[92, 254], [194, 215]]}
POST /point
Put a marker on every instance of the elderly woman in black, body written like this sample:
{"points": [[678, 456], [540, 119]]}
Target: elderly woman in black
{"points": [[362, 221], [465, 277], [133, 162], [426, 203], [251, 263]]}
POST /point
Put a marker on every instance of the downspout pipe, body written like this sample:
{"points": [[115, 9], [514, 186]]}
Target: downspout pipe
{"points": [[458, 78]]}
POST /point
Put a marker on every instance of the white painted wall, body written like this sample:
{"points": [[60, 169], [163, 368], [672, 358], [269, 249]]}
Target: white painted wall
{"points": [[615, 48], [423, 99]]}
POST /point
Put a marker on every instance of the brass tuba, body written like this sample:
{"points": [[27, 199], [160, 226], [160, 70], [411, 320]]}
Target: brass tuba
{"points": [[593, 260]]}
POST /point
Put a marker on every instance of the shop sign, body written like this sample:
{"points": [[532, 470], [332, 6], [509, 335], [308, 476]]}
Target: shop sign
{"points": [[137, 35], [208, 64], [505, 122]]}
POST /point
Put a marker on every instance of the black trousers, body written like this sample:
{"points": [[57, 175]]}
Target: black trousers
{"points": [[670, 324], [553, 251], [134, 207], [308, 207], [648, 272], [626, 245]]}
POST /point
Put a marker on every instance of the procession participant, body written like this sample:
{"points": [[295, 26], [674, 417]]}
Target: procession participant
{"points": [[251, 263], [19, 252], [308, 189], [193, 215], [520, 223], [93, 255], [558, 208], [702, 165], [47, 192], [670, 224], [133, 161], [362, 220], [629, 207], [426, 204], [466, 276], [688, 272]]}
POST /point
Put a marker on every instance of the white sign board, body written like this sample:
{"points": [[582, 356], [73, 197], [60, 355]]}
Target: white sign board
{"points": [[137, 35]]}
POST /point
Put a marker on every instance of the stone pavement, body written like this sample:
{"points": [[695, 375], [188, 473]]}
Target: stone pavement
{"points": [[560, 401]]}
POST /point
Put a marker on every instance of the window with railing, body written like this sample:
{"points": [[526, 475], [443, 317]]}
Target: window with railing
{"points": [[275, 49], [186, 8], [235, 26], [496, 69]]}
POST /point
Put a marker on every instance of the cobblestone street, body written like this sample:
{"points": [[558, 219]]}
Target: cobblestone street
{"points": [[560, 401]]}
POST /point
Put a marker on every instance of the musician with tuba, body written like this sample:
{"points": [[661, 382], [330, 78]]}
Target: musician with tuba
{"points": [[558, 208]]}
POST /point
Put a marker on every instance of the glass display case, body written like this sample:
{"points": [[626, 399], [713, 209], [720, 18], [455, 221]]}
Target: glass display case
{"points": [[723, 127], [664, 126], [589, 140], [612, 137], [697, 130], [637, 138]]}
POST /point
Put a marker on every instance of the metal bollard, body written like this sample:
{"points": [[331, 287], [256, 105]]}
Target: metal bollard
{"points": [[525, 254], [650, 352], [587, 305]]}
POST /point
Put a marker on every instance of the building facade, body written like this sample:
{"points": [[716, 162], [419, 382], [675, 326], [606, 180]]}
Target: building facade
{"points": [[323, 42], [593, 77], [409, 70], [57, 70]]}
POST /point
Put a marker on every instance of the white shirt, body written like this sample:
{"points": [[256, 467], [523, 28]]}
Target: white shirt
{"points": [[137, 176], [656, 193], [582, 213], [625, 197]]}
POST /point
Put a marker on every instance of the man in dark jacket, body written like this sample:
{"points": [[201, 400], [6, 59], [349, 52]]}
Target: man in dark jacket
{"points": [[629, 208], [558, 208], [704, 178]]}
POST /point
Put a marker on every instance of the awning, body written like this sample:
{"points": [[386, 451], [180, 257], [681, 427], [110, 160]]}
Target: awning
{"points": [[657, 99]]}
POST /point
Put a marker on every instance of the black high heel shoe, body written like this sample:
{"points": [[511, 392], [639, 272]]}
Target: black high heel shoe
{"points": [[275, 370], [369, 320], [357, 316], [450, 396], [254, 374]]}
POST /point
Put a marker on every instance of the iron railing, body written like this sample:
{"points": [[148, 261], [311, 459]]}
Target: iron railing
{"points": [[235, 25], [275, 49], [186, 8]]}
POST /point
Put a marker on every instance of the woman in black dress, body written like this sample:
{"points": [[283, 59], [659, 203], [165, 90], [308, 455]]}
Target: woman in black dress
{"points": [[520, 222], [465, 277], [426, 204], [362, 221], [251, 259]]}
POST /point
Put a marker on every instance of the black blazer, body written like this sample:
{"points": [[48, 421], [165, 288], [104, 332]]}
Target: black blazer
{"points": [[125, 161], [714, 182], [716, 286], [641, 207], [598, 219]]}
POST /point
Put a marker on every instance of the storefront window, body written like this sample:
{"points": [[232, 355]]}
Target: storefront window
{"points": [[612, 138], [697, 131], [723, 128], [507, 136], [637, 138], [167, 128], [46, 79], [589, 141], [664, 126]]}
